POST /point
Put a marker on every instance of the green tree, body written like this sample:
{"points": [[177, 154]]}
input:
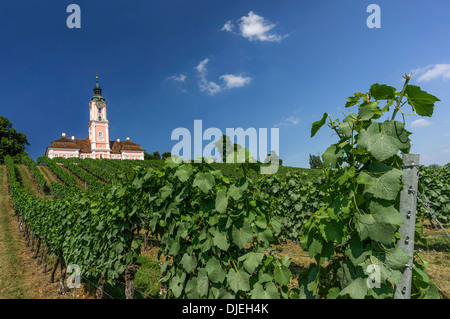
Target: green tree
{"points": [[166, 155], [154, 156], [12, 143], [315, 161], [434, 166]]}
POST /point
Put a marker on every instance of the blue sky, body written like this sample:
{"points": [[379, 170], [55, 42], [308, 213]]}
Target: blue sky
{"points": [[230, 63]]}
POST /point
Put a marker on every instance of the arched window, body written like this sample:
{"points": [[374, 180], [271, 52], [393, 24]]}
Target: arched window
{"points": [[100, 133]]}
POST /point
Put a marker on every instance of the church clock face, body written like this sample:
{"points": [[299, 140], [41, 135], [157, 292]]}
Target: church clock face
{"points": [[100, 104]]}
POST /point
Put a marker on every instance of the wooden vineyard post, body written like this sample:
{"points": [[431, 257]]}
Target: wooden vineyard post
{"points": [[408, 205], [130, 272]]}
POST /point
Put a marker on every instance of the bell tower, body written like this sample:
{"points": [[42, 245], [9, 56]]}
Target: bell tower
{"points": [[98, 124]]}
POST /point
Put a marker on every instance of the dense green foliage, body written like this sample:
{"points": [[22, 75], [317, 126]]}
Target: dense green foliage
{"points": [[434, 184], [40, 180], [12, 143], [219, 224], [214, 231], [63, 175], [88, 229], [91, 181], [356, 230], [294, 197]]}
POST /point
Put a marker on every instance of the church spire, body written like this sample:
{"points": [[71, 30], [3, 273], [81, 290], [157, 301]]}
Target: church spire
{"points": [[97, 90]]}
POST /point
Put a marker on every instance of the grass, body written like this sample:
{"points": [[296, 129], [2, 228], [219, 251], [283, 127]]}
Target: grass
{"points": [[146, 279], [26, 179], [11, 275]]}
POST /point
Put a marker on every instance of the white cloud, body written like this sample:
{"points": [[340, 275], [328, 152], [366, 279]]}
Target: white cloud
{"points": [[229, 80], [445, 151], [254, 27], [447, 134], [201, 67], [228, 26], [420, 123], [178, 78], [432, 71], [235, 81], [290, 121]]}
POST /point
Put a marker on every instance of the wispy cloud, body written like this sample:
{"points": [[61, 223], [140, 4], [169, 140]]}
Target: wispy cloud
{"points": [[235, 81], [290, 121], [228, 26], [254, 27], [420, 123], [178, 78], [229, 80], [431, 72]]}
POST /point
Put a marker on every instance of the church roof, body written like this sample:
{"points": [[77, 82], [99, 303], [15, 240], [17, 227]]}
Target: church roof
{"points": [[84, 145], [64, 142], [117, 147]]}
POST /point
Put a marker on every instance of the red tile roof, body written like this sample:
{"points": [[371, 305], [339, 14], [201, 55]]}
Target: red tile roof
{"points": [[85, 146]]}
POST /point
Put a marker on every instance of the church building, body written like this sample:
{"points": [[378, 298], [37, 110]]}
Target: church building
{"points": [[97, 144]]}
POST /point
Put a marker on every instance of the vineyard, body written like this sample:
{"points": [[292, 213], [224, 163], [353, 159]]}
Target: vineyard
{"points": [[218, 230]]}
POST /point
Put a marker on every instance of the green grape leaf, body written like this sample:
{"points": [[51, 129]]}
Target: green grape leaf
{"points": [[191, 288], [242, 236], [318, 124], [177, 285], [369, 110], [382, 92], [238, 281], [282, 275], [215, 271], [385, 140], [331, 155], [184, 172], [356, 252], [347, 125], [315, 247], [220, 240], [357, 289], [421, 101], [202, 283], [204, 181], [383, 181], [368, 227], [386, 213], [189, 262], [397, 258], [221, 200], [251, 260], [270, 291], [352, 100]]}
